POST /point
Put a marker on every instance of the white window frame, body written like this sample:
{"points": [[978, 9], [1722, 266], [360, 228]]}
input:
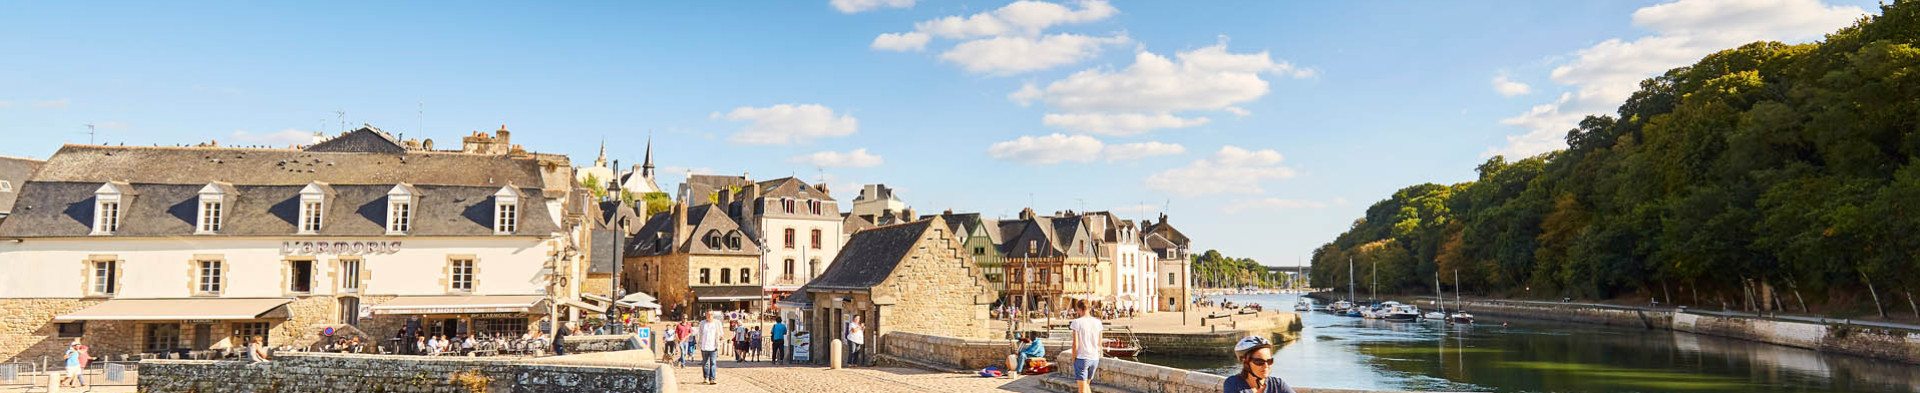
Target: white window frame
{"points": [[506, 211], [212, 213], [460, 272], [350, 275], [313, 208], [105, 280], [211, 277], [400, 209], [109, 206]]}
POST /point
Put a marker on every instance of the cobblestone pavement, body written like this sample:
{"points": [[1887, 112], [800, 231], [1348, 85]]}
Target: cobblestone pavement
{"points": [[768, 378]]}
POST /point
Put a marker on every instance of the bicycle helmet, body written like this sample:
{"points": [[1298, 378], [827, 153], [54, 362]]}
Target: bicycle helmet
{"points": [[1250, 344]]}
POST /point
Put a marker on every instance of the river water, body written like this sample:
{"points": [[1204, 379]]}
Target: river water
{"points": [[1500, 355]]}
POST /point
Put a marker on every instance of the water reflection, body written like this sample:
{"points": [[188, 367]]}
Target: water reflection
{"points": [[1526, 356]]}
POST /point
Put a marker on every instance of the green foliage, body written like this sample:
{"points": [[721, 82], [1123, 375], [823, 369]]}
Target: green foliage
{"points": [[657, 202], [1764, 165], [1213, 270]]}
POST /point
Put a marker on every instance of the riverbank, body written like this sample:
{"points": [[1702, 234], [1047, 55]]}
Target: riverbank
{"points": [[1875, 340]]}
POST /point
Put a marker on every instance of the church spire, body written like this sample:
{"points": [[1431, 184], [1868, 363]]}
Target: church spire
{"points": [[646, 167], [602, 161]]}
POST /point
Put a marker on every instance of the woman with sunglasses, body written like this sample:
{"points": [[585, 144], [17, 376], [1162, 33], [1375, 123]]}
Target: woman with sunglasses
{"points": [[1256, 368]]}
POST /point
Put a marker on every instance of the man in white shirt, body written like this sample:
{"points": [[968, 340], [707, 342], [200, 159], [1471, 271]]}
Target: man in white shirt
{"points": [[856, 338], [1086, 345], [709, 337]]}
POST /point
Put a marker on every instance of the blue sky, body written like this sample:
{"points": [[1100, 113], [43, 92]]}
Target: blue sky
{"points": [[1359, 98]]}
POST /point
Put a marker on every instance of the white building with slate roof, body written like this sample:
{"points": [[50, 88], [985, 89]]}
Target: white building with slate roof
{"points": [[168, 249]]}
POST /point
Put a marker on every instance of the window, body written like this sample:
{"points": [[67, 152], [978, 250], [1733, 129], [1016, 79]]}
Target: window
{"points": [[706, 276], [350, 311], [979, 251], [310, 213], [504, 221], [713, 240], [350, 275], [786, 205], [788, 272], [209, 217], [399, 217], [109, 218], [726, 275], [73, 329], [6, 186], [506, 210], [300, 276], [1170, 278], [733, 241], [247, 331], [814, 206], [462, 275], [210, 277], [816, 239], [106, 277], [1032, 245], [789, 237], [510, 327], [746, 276], [162, 337]]}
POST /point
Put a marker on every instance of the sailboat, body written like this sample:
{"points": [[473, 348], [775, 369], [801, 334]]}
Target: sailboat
{"points": [[1460, 314], [1439, 299]]}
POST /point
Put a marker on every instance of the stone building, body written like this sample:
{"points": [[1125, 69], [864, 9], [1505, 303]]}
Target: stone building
{"points": [[1174, 251], [1050, 261], [164, 249], [877, 200], [798, 224], [695, 259], [913, 277], [980, 238]]}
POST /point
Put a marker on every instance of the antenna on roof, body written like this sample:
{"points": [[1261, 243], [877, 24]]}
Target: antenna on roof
{"points": [[343, 119], [90, 133], [423, 117]]}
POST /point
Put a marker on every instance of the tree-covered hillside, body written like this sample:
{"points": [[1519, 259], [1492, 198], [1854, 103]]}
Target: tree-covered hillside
{"points": [[1765, 175]]}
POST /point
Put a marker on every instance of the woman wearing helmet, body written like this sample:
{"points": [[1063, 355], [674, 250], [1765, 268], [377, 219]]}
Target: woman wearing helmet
{"points": [[1256, 368]]}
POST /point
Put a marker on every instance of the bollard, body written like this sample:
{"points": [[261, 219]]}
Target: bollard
{"points": [[1012, 369], [835, 358]]}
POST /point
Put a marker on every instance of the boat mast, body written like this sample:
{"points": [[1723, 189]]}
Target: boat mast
{"points": [[1350, 296], [1439, 298], [1458, 304]]}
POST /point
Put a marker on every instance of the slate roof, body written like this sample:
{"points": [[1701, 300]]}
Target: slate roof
{"points": [[607, 249], [789, 187], [850, 223], [65, 209], [284, 167], [1166, 231], [698, 186], [14, 171], [366, 139], [701, 220], [871, 256]]}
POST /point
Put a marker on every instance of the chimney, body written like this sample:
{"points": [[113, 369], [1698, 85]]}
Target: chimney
{"points": [[947, 212], [907, 215], [680, 228], [1163, 218], [1026, 213], [823, 189], [725, 201], [503, 137]]}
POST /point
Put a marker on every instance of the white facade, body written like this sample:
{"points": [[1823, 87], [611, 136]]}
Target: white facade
{"points": [[258, 267], [808, 258], [875, 200], [1133, 282]]}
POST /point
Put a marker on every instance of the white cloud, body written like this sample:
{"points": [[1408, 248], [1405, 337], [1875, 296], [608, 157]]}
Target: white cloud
{"points": [[1057, 148], [857, 6], [282, 138], [1134, 151], [1019, 18], [1231, 170], [1007, 55], [1207, 78], [901, 42], [1508, 87], [858, 158], [1118, 124], [1240, 205], [53, 104], [788, 123], [1604, 75], [1050, 149]]}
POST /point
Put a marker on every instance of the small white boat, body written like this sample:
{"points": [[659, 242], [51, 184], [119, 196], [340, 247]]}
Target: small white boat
{"points": [[1303, 305], [1461, 317], [1434, 316], [1402, 313], [1340, 307]]}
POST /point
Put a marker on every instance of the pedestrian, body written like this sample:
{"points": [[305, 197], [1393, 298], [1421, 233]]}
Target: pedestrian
{"points": [[856, 338], [74, 365], [668, 336], [1256, 369], [1086, 345], [410, 334], [1033, 350], [559, 337], [710, 342], [740, 338], [754, 344], [779, 341], [685, 329]]}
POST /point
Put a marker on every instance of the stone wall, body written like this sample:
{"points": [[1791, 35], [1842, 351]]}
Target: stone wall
{"points": [[1567, 312], [297, 373], [1882, 343], [27, 330], [945, 352], [1277, 326], [1121, 376], [936, 290]]}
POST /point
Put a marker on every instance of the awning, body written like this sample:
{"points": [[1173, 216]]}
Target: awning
{"points": [[584, 306], [462, 304], [638, 300], [727, 294], [181, 309]]}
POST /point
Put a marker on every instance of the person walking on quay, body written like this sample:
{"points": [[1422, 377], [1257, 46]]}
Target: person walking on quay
{"points": [[856, 338], [75, 364], [668, 336], [560, 337], [1256, 369], [754, 344], [710, 342], [779, 339], [1086, 345], [740, 340], [686, 341]]}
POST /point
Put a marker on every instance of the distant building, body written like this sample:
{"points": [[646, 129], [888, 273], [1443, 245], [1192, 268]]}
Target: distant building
{"points": [[1128, 265], [912, 277], [695, 259], [13, 174], [797, 223], [1174, 250], [877, 200], [638, 181], [165, 249], [1050, 261]]}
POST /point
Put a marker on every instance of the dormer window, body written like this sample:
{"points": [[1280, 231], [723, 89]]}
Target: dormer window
{"points": [[506, 210], [787, 205], [313, 207], [400, 209], [108, 200], [813, 207], [713, 240], [213, 203]]}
